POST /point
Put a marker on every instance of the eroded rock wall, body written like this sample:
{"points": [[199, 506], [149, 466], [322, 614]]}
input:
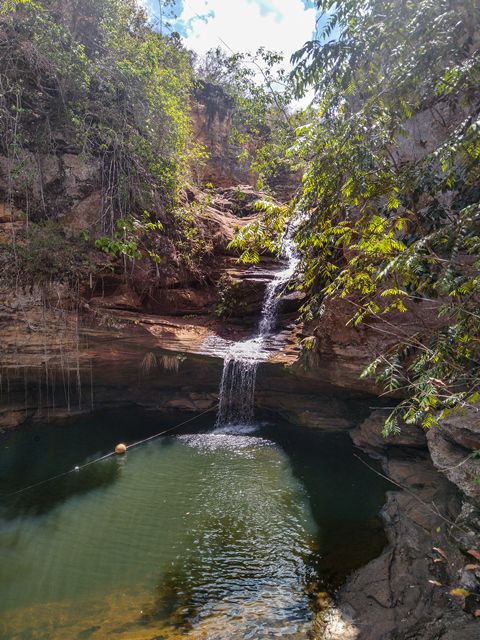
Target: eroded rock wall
{"points": [[408, 593], [213, 112]]}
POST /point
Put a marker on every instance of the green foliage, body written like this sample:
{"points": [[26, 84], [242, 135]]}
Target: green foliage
{"points": [[94, 74], [192, 244], [128, 236], [239, 201], [265, 234], [386, 233], [46, 255], [263, 125], [390, 225]]}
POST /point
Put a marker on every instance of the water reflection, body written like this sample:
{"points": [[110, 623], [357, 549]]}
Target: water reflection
{"points": [[252, 534], [210, 535], [40, 500]]}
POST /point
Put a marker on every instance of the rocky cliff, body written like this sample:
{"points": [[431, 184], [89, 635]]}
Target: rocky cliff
{"points": [[124, 336]]}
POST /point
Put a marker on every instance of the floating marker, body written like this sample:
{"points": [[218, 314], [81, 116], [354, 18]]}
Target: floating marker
{"points": [[120, 449]]}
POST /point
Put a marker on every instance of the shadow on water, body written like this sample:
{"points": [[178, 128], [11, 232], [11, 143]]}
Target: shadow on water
{"points": [[345, 497], [40, 451], [222, 531], [40, 500]]}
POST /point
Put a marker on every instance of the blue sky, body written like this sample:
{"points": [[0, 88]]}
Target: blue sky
{"points": [[244, 25]]}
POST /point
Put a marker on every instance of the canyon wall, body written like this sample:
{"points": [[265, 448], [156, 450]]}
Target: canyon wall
{"points": [[123, 341]]}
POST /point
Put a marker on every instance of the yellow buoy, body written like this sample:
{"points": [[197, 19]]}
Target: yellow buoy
{"points": [[120, 449]]}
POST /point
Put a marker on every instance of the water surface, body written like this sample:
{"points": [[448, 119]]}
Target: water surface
{"points": [[202, 535]]}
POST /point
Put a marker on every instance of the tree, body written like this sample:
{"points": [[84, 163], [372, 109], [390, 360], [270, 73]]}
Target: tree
{"points": [[384, 229], [263, 126], [95, 74]]}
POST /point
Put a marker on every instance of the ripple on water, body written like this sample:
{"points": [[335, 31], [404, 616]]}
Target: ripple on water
{"points": [[227, 439], [202, 537]]}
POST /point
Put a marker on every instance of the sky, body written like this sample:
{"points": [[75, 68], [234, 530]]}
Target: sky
{"points": [[243, 25]]}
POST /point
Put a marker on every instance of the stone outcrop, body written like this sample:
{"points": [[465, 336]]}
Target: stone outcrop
{"points": [[426, 583], [12, 222], [157, 346], [213, 112], [454, 447], [368, 435], [62, 363], [48, 183], [341, 350], [406, 593], [62, 353]]}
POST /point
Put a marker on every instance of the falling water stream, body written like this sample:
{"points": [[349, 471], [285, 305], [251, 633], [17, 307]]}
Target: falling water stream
{"points": [[237, 386], [203, 535]]}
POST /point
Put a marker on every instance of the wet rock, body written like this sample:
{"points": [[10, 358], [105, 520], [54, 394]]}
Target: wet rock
{"points": [[291, 302], [12, 417], [331, 623], [317, 412], [193, 401], [243, 295]]}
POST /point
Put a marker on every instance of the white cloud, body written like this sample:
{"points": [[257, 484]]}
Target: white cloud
{"points": [[246, 25]]}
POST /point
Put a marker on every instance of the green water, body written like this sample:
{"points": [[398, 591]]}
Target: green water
{"points": [[205, 535]]}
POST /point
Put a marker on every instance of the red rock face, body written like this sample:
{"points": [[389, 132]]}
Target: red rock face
{"points": [[213, 113], [68, 363], [48, 183], [212, 117]]}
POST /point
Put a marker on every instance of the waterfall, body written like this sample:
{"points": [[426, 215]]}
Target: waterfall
{"points": [[237, 386]]}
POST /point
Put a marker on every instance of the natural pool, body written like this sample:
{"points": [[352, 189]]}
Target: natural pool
{"points": [[203, 535]]}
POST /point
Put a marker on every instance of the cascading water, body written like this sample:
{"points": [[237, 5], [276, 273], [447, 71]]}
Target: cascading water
{"points": [[237, 386]]}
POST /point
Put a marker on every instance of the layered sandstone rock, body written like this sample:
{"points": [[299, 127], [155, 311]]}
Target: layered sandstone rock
{"points": [[368, 435], [454, 447], [405, 593]]}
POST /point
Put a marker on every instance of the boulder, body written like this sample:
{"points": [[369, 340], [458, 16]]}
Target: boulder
{"points": [[452, 445], [86, 214], [12, 417], [368, 435], [38, 172], [405, 592]]}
